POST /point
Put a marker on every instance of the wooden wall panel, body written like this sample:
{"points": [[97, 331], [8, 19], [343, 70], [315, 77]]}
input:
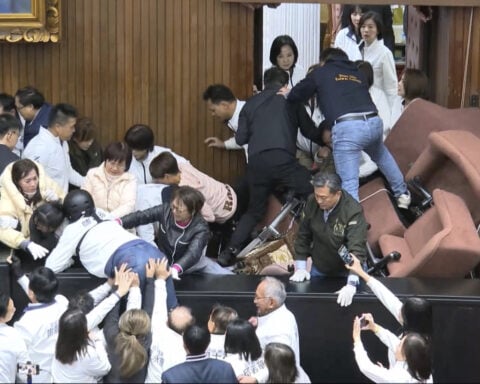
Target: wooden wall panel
{"points": [[127, 61]]}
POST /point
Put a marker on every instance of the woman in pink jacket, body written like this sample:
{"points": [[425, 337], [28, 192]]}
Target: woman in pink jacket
{"points": [[113, 189]]}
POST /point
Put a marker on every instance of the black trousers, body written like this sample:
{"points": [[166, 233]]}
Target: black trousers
{"points": [[267, 171]]}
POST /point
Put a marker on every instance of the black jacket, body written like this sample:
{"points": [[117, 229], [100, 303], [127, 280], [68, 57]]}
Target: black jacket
{"points": [[182, 246], [268, 122], [340, 88]]}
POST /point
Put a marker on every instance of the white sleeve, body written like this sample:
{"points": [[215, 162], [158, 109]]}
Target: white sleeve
{"points": [[390, 80], [98, 313], [374, 372], [231, 144], [24, 282], [100, 293], [98, 365], [386, 297], [134, 300], [61, 256], [160, 314], [388, 338]]}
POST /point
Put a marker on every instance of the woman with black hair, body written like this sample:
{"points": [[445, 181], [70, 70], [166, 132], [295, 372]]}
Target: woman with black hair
{"points": [[243, 350], [79, 357], [412, 355], [220, 317], [280, 362], [415, 315], [348, 38], [25, 186]]}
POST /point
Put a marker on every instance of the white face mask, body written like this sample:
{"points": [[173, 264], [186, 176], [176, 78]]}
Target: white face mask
{"points": [[29, 195]]}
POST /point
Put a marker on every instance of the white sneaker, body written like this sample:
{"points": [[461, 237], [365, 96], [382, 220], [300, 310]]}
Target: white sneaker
{"points": [[404, 200]]}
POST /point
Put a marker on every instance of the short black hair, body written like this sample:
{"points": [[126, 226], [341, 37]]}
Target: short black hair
{"points": [[275, 76], [217, 93], [191, 197], [7, 102], [30, 95], [61, 113], [49, 215], [196, 339], [140, 137], [4, 300], [162, 164], [366, 68], [8, 123], [83, 301], [241, 338], [44, 284], [331, 53]]}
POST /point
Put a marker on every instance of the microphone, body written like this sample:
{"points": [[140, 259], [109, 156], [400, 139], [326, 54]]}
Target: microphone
{"points": [[392, 256]]}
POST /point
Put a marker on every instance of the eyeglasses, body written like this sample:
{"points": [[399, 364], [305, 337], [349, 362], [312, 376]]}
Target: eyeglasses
{"points": [[177, 209], [261, 298]]}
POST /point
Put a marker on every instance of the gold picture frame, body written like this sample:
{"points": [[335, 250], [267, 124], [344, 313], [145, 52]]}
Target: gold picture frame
{"points": [[40, 25]]}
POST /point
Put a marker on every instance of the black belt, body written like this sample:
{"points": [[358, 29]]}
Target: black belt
{"points": [[363, 116]]}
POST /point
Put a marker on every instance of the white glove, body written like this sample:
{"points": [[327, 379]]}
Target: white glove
{"points": [[37, 251], [300, 275], [50, 195], [345, 295], [175, 271], [8, 222]]}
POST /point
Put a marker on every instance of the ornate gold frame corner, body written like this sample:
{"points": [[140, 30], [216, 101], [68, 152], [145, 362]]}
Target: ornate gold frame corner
{"points": [[42, 25]]}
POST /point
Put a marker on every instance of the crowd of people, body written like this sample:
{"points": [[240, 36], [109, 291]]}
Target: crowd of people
{"points": [[140, 216]]}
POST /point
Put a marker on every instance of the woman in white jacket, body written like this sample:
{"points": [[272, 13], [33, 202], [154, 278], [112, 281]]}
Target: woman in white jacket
{"points": [[415, 315], [113, 189], [78, 357], [412, 355]]}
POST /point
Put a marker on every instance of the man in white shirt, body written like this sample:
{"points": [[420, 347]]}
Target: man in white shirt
{"points": [[50, 147], [38, 326], [223, 105], [140, 139], [274, 322], [100, 243], [12, 346]]}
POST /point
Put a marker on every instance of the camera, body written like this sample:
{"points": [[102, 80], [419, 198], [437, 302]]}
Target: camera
{"points": [[28, 368], [345, 255], [363, 322]]}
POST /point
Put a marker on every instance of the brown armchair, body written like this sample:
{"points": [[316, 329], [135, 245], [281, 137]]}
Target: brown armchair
{"points": [[441, 243]]}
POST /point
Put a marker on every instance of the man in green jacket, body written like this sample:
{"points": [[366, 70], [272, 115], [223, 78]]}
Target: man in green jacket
{"points": [[332, 227]]}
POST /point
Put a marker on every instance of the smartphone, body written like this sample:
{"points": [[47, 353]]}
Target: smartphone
{"points": [[345, 255], [363, 322], [28, 368]]}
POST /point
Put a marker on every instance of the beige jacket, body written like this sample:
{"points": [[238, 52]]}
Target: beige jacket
{"points": [[117, 196], [14, 210]]}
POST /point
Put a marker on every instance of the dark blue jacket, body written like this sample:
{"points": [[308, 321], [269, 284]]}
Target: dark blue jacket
{"points": [[200, 369], [40, 120], [340, 88]]}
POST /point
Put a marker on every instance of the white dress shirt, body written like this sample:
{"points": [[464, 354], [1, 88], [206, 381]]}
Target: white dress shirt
{"points": [[12, 351], [97, 246], [52, 153], [233, 125], [167, 349], [39, 329], [89, 367]]}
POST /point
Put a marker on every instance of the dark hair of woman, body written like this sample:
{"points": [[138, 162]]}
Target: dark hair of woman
{"points": [[20, 169], [73, 337], [416, 350], [366, 68], [241, 338], [118, 151], [415, 84], [280, 361], [417, 316], [277, 45], [376, 18], [192, 198]]}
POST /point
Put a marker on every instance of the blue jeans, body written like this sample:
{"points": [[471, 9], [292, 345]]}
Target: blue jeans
{"points": [[352, 137], [136, 254]]}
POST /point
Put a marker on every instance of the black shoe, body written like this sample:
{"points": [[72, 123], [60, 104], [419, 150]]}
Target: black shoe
{"points": [[227, 257]]}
